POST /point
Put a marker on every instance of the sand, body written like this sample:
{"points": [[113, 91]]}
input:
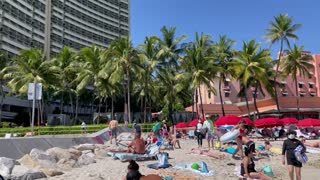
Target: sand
{"points": [[110, 169]]}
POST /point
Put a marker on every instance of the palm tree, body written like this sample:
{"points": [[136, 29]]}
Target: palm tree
{"points": [[125, 62], [223, 53], [3, 64], [92, 66], [296, 63], [64, 63], [281, 29], [169, 55], [249, 64], [198, 65], [30, 67], [148, 56]]}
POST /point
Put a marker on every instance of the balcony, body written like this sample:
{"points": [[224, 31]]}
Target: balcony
{"points": [[226, 88]]}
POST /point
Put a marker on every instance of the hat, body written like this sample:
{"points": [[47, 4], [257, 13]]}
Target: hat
{"points": [[292, 132], [208, 115], [164, 121]]}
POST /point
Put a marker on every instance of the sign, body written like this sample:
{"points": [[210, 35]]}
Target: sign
{"points": [[38, 91]]}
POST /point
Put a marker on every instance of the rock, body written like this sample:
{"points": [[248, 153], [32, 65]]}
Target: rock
{"points": [[84, 159], [19, 170], [86, 151], [59, 153], [66, 164], [101, 153], [6, 166], [37, 154], [51, 171], [75, 153], [126, 136], [83, 147], [29, 175], [27, 161]]}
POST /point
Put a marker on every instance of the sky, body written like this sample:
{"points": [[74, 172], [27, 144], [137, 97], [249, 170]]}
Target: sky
{"points": [[240, 20]]}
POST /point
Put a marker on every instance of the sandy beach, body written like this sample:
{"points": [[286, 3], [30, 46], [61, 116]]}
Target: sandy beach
{"points": [[109, 169]]}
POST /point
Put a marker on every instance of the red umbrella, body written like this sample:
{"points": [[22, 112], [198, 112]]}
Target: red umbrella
{"points": [[268, 122], [182, 125], [194, 122], [289, 121], [232, 120], [309, 123]]}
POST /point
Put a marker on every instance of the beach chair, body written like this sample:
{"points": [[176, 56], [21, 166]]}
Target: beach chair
{"points": [[150, 153]]}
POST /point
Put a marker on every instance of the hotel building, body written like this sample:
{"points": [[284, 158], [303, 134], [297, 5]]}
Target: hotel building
{"points": [[52, 24], [308, 88]]}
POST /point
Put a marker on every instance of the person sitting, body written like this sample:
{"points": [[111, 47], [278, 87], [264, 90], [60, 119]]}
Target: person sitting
{"points": [[248, 165], [172, 141], [134, 173], [137, 146], [315, 144], [267, 145]]}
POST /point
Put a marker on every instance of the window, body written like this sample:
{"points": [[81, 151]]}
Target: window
{"points": [[301, 84], [209, 94], [312, 94], [311, 85], [284, 94], [227, 94]]}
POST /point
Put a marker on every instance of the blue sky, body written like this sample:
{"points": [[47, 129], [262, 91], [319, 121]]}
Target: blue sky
{"points": [[240, 20]]}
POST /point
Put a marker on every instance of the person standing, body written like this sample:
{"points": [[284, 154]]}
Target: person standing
{"points": [[210, 130], [164, 128], [198, 133], [113, 125], [83, 127], [289, 145], [137, 128], [243, 132]]}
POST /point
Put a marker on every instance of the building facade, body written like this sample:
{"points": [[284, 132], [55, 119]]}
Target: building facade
{"points": [[308, 94], [52, 24]]}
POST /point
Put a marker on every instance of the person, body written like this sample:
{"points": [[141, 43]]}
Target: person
{"points": [[243, 132], [267, 145], [248, 166], [137, 128], [134, 173], [83, 127], [315, 144], [199, 134], [164, 128], [156, 128], [137, 146], [207, 153], [113, 125], [289, 145], [172, 140], [210, 130]]}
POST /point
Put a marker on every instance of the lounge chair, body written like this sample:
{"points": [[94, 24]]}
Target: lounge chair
{"points": [[150, 153]]}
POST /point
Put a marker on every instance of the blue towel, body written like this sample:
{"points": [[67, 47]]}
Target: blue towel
{"points": [[302, 157]]}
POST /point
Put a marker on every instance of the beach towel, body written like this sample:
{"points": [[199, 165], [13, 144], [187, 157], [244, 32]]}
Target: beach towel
{"points": [[162, 162], [276, 151], [300, 156], [203, 168]]}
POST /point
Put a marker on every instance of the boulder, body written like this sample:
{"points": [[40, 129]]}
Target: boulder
{"points": [[84, 159], [37, 154], [83, 147], [6, 166], [19, 171], [86, 151], [126, 136], [65, 164], [75, 153], [51, 171], [59, 153], [101, 153], [29, 175], [27, 161]]}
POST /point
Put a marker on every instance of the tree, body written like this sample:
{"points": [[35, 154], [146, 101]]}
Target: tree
{"points": [[126, 63], [30, 67], [281, 29], [148, 56], [296, 63], [3, 64], [223, 53], [249, 65], [169, 54], [198, 65]]}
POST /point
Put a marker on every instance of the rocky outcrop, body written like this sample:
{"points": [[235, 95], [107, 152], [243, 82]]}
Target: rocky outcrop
{"points": [[6, 166], [85, 159]]}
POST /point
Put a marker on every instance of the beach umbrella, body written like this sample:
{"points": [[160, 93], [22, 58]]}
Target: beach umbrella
{"points": [[309, 123], [194, 122], [232, 120], [289, 121], [268, 122], [182, 125]]}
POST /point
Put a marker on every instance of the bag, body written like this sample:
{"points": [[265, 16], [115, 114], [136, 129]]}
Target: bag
{"points": [[267, 170], [204, 131], [217, 145]]}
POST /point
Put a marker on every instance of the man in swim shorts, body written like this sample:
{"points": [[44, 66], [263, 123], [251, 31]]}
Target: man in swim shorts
{"points": [[210, 130], [113, 125]]}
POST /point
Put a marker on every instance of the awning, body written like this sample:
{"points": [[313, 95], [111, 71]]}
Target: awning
{"points": [[227, 79], [284, 93], [262, 109], [301, 82], [283, 82], [311, 82], [302, 93], [313, 94], [227, 92]]}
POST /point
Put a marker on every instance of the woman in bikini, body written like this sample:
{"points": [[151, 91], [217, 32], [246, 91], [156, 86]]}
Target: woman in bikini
{"points": [[243, 132], [315, 144]]}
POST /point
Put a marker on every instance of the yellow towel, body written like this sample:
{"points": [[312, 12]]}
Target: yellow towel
{"points": [[276, 151], [217, 145]]}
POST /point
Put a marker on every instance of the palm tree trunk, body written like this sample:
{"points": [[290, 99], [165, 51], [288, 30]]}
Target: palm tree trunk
{"points": [[112, 108], [33, 105], [255, 100], [99, 109], [221, 101], [125, 117], [2, 99], [275, 78], [201, 104], [128, 90], [192, 116], [145, 102], [247, 102], [106, 101], [197, 104], [170, 105], [297, 97], [61, 104], [71, 104], [77, 107]]}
